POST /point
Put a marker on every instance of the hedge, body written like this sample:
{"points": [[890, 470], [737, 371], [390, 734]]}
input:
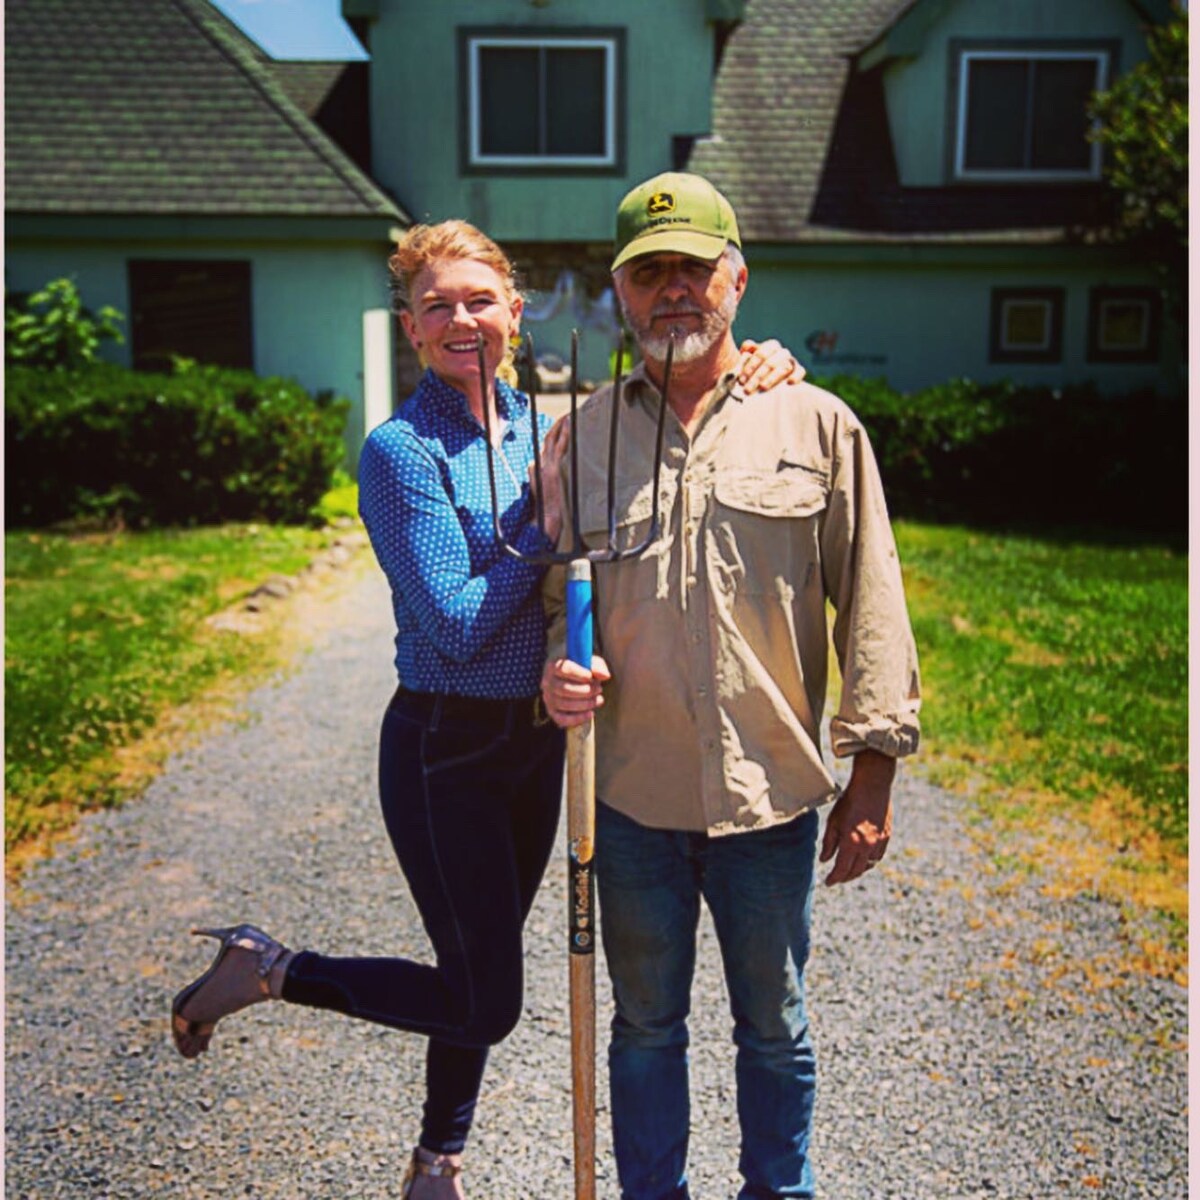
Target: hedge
{"points": [[999, 454], [207, 445], [200, 446]]}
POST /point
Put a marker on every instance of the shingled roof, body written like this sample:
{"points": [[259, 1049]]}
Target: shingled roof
{"points": [[335, 95], [801, 145], [138, 107]]}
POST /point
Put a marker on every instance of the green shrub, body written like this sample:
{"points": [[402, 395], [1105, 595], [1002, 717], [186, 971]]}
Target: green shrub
{"points": [[200, 446], [52, 329], [999, 454]]}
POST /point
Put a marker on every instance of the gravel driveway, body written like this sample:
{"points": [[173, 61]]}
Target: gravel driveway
{"points": [[973, 1037]]}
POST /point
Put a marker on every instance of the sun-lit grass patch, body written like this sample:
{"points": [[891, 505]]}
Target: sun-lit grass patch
{"points": [[104, 635], [1055, 684]]}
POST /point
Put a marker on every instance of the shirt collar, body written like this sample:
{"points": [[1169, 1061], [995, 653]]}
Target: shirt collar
{"points": [[510, 403], [727, 384]]}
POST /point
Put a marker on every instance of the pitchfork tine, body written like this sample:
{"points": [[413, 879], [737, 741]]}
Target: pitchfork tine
{"points": [[653, 532], [491, 454], [531, 391], [578, 545], [612, 445]]}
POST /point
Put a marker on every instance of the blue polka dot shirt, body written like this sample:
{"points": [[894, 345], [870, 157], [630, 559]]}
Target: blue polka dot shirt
{"points": [[469, 617]]}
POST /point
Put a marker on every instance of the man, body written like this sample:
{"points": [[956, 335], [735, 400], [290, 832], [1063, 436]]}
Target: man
{"points": [[709, 688]]}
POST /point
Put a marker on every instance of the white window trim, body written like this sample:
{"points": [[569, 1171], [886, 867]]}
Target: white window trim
{"points": [[961, 171], [1147, 318], [478, 158], [1047, 307]]}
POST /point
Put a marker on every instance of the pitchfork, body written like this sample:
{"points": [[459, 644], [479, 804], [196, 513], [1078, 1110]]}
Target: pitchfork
{"points": [[581, 745]]}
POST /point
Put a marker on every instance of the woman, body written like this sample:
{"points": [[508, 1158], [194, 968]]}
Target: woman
{"points": [[470, 772]]}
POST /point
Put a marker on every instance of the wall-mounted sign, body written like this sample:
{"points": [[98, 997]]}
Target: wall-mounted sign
{"points": [[822, 346]]}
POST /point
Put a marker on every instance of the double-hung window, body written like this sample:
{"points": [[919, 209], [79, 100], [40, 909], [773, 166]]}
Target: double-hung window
{"points": [[1021, 114], [542, 100]]}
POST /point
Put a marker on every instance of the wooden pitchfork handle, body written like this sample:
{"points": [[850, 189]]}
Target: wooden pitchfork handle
{"points": [[581, 814], [581, 835]]}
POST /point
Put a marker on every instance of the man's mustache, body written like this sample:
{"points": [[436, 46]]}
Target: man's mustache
{"points": [[673, 310]]}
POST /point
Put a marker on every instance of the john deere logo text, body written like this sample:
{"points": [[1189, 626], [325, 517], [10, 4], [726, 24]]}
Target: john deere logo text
{"points": [[660, 202]]}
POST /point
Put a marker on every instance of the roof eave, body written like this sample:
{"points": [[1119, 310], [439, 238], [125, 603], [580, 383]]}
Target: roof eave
{"points": [[1157, 12], [906, 36], [724, 10]]}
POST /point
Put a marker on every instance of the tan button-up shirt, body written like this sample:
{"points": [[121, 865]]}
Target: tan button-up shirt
{"points": [[716, 636]]}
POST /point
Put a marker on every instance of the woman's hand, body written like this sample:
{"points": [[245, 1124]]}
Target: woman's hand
{"points": [[553, 450], [767, 365]]}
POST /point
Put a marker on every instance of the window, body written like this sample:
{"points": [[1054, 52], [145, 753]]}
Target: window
{"points": [[1022, 114], [542, 102], [197, 309], [1123, 324], [1027, 325]]}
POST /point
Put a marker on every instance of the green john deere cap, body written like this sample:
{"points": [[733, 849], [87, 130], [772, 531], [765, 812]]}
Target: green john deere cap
{"points": [[674, 213]]}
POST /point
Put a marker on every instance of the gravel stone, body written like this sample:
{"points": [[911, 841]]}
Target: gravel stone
{"points": [[975, 1038]]}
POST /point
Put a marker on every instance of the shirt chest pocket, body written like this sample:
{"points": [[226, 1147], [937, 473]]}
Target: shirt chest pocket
{"points": [[766, 528], [647, 575]]}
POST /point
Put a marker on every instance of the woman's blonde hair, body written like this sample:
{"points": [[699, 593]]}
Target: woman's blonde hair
{"points": [[423, 245]]}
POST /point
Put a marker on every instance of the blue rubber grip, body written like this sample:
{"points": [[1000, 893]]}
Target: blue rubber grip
{"points": [[579, 621]]}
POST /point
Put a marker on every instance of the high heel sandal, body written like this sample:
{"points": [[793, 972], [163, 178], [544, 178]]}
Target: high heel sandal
{"points": [[417, 1167], [192, 1037]]}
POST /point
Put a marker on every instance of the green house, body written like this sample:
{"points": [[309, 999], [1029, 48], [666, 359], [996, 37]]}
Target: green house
{"points": [[912, 177]]}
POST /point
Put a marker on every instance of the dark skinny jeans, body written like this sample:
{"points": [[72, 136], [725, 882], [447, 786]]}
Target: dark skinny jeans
{"points": [[471, 805]]}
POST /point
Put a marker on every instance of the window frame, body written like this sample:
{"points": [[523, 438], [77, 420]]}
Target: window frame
{"points": [[1098, 297], [1056, 300], [964, 51], [473, 159]]}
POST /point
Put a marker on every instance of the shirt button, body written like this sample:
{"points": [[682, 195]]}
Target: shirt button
{"points": [[691, 581]]}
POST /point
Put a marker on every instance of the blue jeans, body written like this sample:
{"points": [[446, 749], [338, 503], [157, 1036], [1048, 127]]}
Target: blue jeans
{"points": [[758, 887], [471, 806]]}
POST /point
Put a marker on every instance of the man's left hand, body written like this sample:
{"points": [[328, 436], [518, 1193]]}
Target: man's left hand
{"points": [[860, 822]]}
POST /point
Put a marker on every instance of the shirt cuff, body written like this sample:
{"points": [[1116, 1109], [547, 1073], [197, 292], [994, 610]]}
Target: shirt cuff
{"points": [[895, 735]]}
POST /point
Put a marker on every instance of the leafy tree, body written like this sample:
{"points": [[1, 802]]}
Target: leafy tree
{"points": [[1143, 127], [52, 329]]}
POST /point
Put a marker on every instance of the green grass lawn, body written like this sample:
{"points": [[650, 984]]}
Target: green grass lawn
{"points": [[1055, 684], [1054, 673], [104, 634]]}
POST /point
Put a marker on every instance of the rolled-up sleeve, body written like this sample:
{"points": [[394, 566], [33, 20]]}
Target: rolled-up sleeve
{"points": [[872, 637]]}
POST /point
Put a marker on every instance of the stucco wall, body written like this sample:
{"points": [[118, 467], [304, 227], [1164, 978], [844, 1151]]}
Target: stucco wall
{"points": [[308, 300], [919, 322]]}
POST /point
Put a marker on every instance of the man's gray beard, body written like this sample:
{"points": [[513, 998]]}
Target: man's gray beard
{"points": [[692, 345]]}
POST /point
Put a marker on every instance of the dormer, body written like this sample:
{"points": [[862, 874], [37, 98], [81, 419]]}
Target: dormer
{"points": [[532, 117], [983, 93]]}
